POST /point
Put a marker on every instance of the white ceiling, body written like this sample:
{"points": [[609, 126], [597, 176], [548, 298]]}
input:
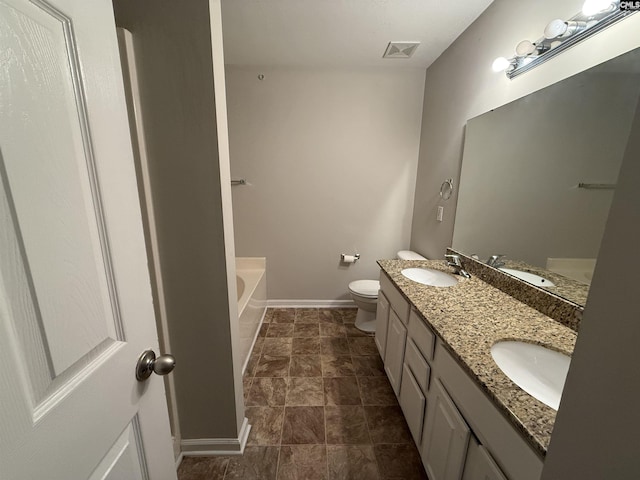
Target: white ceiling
{"points": [[341, 33]]}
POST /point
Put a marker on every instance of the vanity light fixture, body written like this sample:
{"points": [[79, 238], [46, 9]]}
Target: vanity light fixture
{"points": [[559, 28], [560, 34], [502, 64]]}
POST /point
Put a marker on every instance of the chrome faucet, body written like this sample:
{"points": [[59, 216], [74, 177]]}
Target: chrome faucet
{"points": [[454, 261], [495, 261]]}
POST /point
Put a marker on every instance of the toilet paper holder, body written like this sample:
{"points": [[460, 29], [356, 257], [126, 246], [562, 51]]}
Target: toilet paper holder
{"points": [[344, 258]]}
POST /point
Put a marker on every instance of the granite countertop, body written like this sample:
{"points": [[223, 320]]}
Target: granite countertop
{"points": [[469, 318]]}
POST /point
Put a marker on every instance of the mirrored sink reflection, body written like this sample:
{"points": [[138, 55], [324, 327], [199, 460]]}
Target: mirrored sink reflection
{"points": [[430, 277], [528, 277], [539, 371]]}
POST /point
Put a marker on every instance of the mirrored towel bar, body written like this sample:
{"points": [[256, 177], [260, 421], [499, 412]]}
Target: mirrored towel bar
{"points": [[597, 186]]}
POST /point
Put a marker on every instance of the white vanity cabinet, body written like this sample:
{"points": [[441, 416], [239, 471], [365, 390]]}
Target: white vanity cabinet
{"points": [[382, 323], [459, 431], [391, 340], [504, 450], [416, 374]]}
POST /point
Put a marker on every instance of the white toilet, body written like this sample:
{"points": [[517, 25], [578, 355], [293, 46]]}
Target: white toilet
{"points": [[365, 295]]}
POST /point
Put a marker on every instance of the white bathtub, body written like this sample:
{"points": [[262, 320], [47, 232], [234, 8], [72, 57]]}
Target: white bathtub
{"points": [[252, 301]]}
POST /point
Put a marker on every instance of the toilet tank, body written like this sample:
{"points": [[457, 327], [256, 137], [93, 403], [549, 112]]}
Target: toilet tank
{"points": [[409, 255]]}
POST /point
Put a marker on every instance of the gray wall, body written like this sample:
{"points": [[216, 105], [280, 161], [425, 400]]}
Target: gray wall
{"points": [[173, 48], [331, 157], [596, 430], [522, 163], [461, 85]]}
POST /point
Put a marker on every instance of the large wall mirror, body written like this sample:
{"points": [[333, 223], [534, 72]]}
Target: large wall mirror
{"points": [[538, 175]]}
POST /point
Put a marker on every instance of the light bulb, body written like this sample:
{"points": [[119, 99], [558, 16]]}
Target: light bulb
{"points": [[593, 7], [555, 28], [525, 48], [500, 64], [560, 28]]}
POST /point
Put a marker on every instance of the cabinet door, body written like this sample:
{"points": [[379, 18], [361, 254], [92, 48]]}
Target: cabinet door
{"points": [[394, 355], [413, 403], [445, 437], [382, 323], [480, 465]]}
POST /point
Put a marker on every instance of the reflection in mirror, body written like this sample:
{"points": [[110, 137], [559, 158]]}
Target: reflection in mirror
{"points": [[522, 167]]}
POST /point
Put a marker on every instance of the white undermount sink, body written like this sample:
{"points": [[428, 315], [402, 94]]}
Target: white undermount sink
{"points": [[538, 370], [531, 278], [428, 276]]}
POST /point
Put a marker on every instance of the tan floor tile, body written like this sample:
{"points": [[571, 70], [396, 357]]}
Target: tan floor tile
{"points": [[352, 462], [376, 391], [303, 425], [330, 315], [266, 425], [305, 392], [203, 468], [306, 346], [334, 346], [273, 366], [267, 392], [280, 330], [277, 346], [332, 330], [306, 330], [305, 366], [264, 328], [387, 425], [346, 425], [267, 315], [246, 386], [307, 315], [254, 359], [302, 462], [349, 315], [401, 462], [368, 366], [257, 463], [257, 346], [362, 345], [341, 391], [283, 315], [337, 366]]}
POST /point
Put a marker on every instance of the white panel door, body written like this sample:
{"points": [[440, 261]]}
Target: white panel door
{"points": [[75, 301], [445, 437], [382, 323], [394, 356]]}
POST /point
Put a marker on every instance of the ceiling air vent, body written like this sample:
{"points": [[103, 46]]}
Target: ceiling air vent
{"points": [[400, 49]]}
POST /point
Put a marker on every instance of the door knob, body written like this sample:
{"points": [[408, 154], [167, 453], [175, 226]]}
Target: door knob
{"points": [[148, 364]]}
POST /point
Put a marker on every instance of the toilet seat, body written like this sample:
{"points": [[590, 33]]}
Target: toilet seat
{"points": [[365, 288]]}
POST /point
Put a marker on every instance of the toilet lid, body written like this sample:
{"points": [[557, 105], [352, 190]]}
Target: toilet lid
{"points": [[366, 288]]}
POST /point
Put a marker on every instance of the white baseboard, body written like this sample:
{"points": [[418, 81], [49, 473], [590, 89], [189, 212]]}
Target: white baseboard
{"points": [[310, 304], [179, 460], [208, 447]]}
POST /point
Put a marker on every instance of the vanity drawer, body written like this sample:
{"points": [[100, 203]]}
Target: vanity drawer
{"points": [[398, 303], [422, 335], [418, 365]]}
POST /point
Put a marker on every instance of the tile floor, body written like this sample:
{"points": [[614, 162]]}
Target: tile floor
{"points": [[320, 406]]}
